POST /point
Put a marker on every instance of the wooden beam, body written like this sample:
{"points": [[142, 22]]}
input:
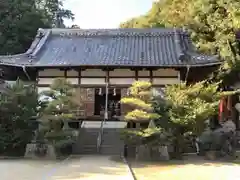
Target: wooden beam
{"points": [[99, 86], [117, 77]]}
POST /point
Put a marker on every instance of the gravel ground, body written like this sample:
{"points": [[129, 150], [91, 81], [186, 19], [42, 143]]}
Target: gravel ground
{"points": [[189, 171], [75, 168]]}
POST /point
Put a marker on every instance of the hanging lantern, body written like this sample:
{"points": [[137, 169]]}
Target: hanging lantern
{"points": [[237, 106], [100, 91], [128, 91]]}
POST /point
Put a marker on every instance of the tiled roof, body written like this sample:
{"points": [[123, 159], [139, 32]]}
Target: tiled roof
{"points": [[160, 47]]}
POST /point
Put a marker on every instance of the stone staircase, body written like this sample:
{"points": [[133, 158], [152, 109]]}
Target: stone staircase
{"points": [[111, 143], [238, 139], [87, 138], [87, 141]]}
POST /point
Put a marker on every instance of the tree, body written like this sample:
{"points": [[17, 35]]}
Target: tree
{"points": [[59, 105], [213, 25], [141, 100], [189, 106], [18, 107], [151, 19], [55, 12], [20, 20], [75, 26]]}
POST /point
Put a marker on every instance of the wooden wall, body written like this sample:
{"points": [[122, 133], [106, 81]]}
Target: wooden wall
{"points": [[98, 77], [85, 82]]}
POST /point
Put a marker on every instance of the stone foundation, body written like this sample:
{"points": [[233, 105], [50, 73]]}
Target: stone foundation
{"points": [[145, 153], [31, 152]]}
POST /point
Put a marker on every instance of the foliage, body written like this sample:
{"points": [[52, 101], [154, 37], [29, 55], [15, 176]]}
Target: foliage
{"points": [[55, 12], [141, 98], [59, 107], [17, 108], [62, 141], [191, 105], [20, 20], [213, 25], [59, 104], [149, 136], [151, 19]]}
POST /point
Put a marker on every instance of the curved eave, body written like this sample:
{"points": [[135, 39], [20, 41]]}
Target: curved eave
{"points": [[25, 59], [123, 66], [35, 65], [17, 60]]}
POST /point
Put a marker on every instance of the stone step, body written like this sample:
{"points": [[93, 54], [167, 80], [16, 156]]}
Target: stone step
{"points": [[86, 149], [114, 124], [91, 124], [111, 150], [111, 142], [87, 141]]}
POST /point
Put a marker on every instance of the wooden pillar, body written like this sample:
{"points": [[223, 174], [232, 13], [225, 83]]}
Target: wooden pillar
{"points": [[79, 77], [136, 75], [123, 106], [107, 76], [151, 76], [90, 100], [235, 113]]}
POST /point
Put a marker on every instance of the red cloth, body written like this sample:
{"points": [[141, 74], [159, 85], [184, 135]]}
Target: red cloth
{"points": [[222, 106], [225, 107]]}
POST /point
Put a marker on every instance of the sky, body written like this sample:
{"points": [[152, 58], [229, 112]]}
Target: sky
{"points": [[92, 14]]}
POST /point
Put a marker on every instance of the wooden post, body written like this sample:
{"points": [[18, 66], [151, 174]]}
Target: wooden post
{"points": [[151, 76], [136, 75]]}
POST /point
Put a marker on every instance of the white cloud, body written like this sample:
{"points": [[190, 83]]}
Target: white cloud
{"points": [[105, 13]]}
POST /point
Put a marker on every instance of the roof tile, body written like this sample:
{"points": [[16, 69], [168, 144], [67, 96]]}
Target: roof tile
{"points": [[111, 47]]}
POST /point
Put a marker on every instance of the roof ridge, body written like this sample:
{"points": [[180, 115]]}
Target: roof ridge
{"points": [[32, 49], [37, 39], [114, 32], [179, 49], [42, 40]]}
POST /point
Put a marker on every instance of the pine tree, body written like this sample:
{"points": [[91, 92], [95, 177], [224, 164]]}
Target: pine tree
{"points": [[59, 105], [18, 107], [141, 100], [189, 106]]}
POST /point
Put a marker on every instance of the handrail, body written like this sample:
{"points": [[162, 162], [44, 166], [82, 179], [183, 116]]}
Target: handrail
{"points": [[100, 134], [99, 139]]}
